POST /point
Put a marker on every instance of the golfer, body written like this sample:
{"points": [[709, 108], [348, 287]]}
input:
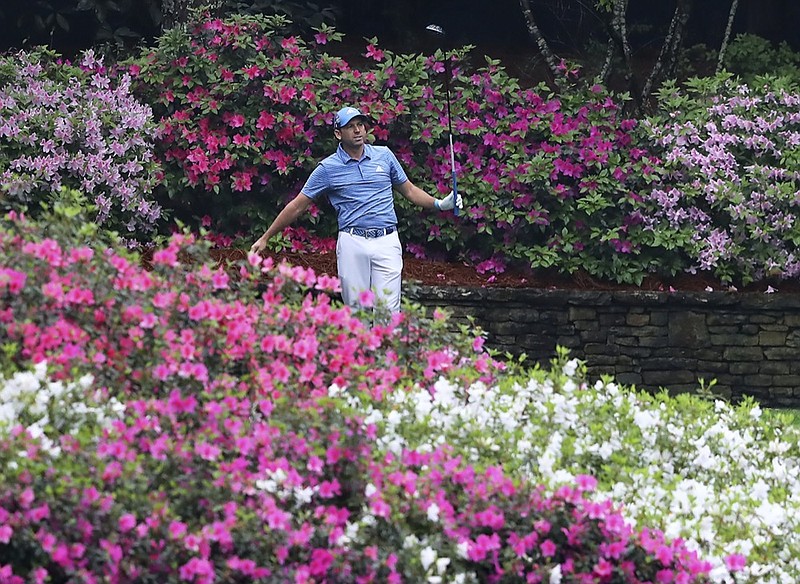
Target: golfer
{"points": [[358, 179]]}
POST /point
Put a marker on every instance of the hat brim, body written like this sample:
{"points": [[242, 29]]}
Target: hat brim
{"points": [[366, 119]]}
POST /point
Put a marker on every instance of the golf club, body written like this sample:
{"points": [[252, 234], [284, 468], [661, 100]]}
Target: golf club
{"points": [[439, 32]]}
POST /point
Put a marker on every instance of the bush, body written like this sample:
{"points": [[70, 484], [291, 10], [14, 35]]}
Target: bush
{"points": [[722, 479], [750, 56], [245, 111], [75, 127], [550, 181], [728, 198], [243, 451]]}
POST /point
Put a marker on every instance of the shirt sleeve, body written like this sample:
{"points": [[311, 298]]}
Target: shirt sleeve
{"points": [[317, 183], [398, 175]]}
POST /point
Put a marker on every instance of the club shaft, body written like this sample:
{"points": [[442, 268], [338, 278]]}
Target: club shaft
{"points": [[453, 174], [450, 128]]}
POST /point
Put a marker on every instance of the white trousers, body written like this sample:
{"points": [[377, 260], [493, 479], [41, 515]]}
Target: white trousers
{"points": [[370, 264]]}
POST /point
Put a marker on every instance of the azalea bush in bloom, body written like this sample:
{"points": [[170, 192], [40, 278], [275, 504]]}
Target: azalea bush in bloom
{"points": [[729, 196], [549, 180], [213, 435], [721, 478], [76, 126], [246, 111]]}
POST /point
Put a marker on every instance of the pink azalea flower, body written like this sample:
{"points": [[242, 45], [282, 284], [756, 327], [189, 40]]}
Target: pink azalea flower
{"points": [[735, 562], [548, 548], [127, 522], [366, 298], [375, 53], [6, 531]]}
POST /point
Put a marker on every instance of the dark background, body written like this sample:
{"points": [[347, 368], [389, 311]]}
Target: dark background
{"points": [[500, 24], [497, 28], [492, 25]]}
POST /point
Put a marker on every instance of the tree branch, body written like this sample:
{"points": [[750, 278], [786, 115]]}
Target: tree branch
{"points": [[668, 55], [605, 71], [619, 25], [536, 35], [725, 39]]}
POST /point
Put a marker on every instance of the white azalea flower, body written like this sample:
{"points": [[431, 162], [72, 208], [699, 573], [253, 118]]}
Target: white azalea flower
{"points": [[699, 475], [570, 367], [433, 512], [463, 549], [441, 565], [555, 575], [427, 556]]}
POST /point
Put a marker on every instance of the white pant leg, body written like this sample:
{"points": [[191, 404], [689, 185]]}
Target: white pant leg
{"points": [[387, 269], [353, 264]]}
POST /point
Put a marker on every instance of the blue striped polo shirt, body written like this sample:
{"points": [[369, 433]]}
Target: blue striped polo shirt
{"points": [[359, 190]]}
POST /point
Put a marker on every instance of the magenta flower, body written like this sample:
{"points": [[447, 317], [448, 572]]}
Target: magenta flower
{"points": [[127, 522], [548, 548], [735, 562]]}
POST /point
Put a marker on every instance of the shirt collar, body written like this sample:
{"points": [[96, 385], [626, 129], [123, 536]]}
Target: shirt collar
{"points": [[345, 157]]}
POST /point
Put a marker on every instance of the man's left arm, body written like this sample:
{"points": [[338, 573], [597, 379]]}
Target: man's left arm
{"points": [[416, 195], [419, 197]]}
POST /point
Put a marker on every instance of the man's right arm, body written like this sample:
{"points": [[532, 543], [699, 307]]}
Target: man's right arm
{"points": [[286, 217]]}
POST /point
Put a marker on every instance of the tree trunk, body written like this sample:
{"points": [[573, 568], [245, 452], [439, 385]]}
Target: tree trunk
{"points": [[537, 37], [668, 56], [605, 71], [725, 39], [619, 26]]}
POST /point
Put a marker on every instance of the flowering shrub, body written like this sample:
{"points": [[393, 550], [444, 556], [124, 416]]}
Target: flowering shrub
{"points": [[549, 181], [80, 308], [246, 110], [722, 479], [74, 126], [242, 451], [729, 197]]}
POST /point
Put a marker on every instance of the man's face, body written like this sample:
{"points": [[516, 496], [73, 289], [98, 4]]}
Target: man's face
{"points": [[354, 134]]}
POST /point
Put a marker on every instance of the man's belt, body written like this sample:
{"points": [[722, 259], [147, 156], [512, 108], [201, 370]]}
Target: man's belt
{"points": [[370, 233]]}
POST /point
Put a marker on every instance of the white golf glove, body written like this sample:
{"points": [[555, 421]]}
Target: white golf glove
{"points": [[449, 202]]}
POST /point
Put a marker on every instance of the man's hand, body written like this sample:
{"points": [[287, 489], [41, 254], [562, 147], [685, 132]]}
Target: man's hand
{"points": [[449, 202], [259, 245]]}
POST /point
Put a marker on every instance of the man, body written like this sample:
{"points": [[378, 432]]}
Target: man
{"points": [[358, 179]]}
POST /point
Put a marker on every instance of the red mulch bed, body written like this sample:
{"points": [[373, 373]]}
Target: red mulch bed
{"points": [[433, 273]]}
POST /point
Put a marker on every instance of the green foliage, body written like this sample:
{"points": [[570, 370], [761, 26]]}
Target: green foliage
{"points": [[303, 15], [750, 56], [71, 26]]}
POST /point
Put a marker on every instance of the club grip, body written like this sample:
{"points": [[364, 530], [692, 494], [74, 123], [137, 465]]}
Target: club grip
{"points": [[453, 171], [456, 210]]}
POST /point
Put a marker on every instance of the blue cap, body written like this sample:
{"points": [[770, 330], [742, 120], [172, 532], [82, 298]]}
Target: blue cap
{"points": [[344, 115]]}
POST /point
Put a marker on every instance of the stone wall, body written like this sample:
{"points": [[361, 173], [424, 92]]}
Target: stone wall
{"points": [[747, 342]]}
